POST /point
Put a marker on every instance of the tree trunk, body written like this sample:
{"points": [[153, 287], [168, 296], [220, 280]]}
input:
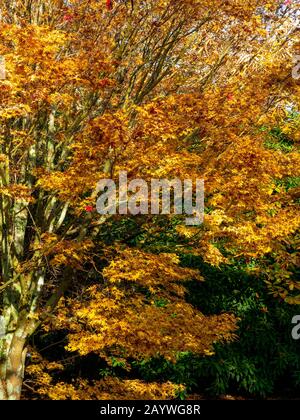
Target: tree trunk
{"points": [[12, 365]]}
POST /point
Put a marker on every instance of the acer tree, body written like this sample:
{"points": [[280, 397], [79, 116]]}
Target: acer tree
{"points": [[159, 89]]}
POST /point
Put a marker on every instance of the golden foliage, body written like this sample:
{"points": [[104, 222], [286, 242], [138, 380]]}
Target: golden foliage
{"points": [[189, 89]]}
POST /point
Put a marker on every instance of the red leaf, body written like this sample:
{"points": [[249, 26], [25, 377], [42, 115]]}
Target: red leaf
{"points": [[109, 4], [68, 18], [89, 209]]}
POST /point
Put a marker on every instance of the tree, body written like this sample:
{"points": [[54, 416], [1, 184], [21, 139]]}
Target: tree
{"points": [[185, 88]]}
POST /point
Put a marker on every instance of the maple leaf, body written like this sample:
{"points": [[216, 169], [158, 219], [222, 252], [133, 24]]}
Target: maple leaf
{"points": [[109, 4], [89, 209]]}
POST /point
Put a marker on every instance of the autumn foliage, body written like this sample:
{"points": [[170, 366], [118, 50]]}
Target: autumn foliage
{"points": [[161, 89]]}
